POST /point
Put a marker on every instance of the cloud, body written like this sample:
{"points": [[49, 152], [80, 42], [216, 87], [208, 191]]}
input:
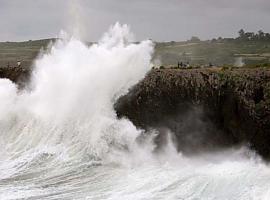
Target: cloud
{"points": [[162, 20]]}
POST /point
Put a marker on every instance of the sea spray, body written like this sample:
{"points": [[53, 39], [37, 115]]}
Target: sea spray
{"points": [[60, 138], [239, 62], [70, 101]]}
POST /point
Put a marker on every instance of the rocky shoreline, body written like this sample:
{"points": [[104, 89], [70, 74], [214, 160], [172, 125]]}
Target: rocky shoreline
{"points": [[18, 75], [235, 106], [205, 108]]}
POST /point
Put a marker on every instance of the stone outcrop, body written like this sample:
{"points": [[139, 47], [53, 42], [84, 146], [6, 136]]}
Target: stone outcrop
{"points": [[17, 75], [208, 106], [205, 108]]}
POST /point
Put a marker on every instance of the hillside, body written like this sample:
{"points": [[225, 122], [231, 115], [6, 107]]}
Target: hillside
{"points": [[224, 52], [26, 52], [197, 53]]}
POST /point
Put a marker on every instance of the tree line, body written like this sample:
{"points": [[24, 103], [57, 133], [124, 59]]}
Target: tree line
{"points": [[251, 36]]}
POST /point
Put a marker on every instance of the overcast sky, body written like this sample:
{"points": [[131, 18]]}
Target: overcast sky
{"points": [[161, 20]]}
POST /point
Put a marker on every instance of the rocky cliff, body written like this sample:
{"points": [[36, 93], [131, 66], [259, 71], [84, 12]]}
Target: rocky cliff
{"points": [[205, 108], [17, 75]]}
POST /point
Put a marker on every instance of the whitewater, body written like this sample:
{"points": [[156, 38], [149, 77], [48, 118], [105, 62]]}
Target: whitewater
{"points": [[61, 139]]}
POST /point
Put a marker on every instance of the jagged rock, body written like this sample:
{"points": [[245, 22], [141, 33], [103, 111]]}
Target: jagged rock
{"points": [[236, 102], [204, 107], [17, 75]]}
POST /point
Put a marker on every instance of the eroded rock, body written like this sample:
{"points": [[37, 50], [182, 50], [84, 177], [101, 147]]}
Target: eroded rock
{"points": [[235, 104]]}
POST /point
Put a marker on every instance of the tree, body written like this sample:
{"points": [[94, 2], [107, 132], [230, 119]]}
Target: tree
{"points": [[249, 36], [261, 35], [195, 39], [219, 39], [267, 36], [241, 34]]}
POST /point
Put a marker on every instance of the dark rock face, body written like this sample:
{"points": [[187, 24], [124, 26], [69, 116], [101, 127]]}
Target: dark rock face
{"points": [[17, 75], [204, 108]]}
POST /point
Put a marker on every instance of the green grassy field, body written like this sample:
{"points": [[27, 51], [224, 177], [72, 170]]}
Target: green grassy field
{"points": [[217, 53], [198, 53], [26, 52]]}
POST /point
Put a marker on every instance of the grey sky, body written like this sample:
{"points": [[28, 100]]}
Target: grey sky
{"points": [[162, 20]]}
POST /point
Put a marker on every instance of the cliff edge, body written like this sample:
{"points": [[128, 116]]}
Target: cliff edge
{"points": [[234, 106], [204, 108]]}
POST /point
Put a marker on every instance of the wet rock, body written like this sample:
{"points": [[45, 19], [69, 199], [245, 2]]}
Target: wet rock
{"points": [[17, 75], [235, 103]]}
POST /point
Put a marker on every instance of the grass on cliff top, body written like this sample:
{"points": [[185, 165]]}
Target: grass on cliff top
{"points": [[224, 68], [26, 52], [167, 53], [218, 53]]}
